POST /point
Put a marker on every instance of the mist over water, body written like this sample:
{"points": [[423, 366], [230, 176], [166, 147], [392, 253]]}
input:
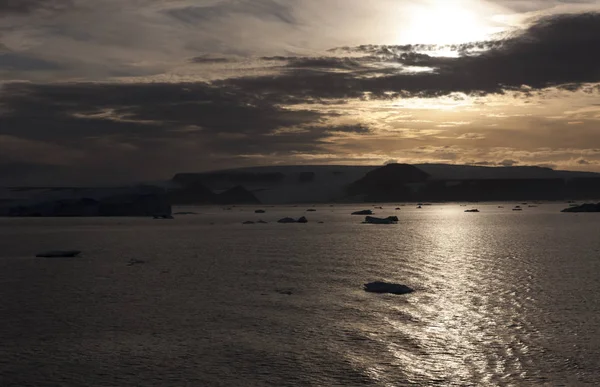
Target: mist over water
{"points": [[502, 298]]}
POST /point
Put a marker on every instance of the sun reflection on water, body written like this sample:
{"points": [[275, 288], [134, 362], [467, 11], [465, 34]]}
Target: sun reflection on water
{"points": [[459, 337]]}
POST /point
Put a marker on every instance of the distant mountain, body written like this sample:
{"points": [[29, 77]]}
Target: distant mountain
{"points": [[395, 182], [236, 195], [389, 183], [342, 183], [471, 172], [282, 184], [191, 191]]}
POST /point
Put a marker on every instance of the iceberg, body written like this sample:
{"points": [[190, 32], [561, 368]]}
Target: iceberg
{"points": [[59, 254], [388, 220], [386, 287], [292, 220]]}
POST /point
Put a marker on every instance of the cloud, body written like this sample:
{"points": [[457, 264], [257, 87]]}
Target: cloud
{"points": [[556, 50], [157, 37], [150, 130], [210, 59], [325, 63], [99, 133], [545, 5], [23, 63], [275, 94], [471, 136], [27, 6], [130, 110], [508, 163], [219, 10], [358, 129]]}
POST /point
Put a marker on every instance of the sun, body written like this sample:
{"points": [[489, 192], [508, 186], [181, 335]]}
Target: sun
{"points": [[445, 22]]}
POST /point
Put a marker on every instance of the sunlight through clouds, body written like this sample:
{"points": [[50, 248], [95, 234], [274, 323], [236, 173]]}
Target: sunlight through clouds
{"points": [[202, 82], [444, 22]]}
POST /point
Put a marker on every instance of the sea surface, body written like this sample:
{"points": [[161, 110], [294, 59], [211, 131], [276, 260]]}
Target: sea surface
{"points": [[503, 298]]}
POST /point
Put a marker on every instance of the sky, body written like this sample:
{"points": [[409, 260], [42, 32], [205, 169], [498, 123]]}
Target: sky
{"points": [[114, 91]]}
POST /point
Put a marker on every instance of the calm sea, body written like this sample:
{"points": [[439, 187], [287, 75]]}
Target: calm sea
{"points": [[502, 298]]}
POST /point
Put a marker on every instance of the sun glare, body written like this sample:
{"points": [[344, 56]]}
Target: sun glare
{"points": [[445, 22]]}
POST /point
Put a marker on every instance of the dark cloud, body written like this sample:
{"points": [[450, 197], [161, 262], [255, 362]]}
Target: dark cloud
{"points": [[508, 163], [150, 130], [371, 63], [278, 58], [26, 173], [535, 5], [555, 51], [141, 131], [210, 59], [394, 51], [358, 128], [15, 61], [129, 110], [266, 9], [323, 63], [27, 6]]}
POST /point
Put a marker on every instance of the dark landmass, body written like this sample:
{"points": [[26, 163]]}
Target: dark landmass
{"points": [[475, 172], [588, 207], [118, 202], [233, 177], [236, 195], [493, 190], [192, 193], [195, 192], [503, 190], [306, 177], [322, 184], [388, 183], [393, 182], [400, 182]]}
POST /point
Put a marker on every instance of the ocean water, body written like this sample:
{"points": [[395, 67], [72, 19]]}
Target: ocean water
{"points": [[502, 298]]}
